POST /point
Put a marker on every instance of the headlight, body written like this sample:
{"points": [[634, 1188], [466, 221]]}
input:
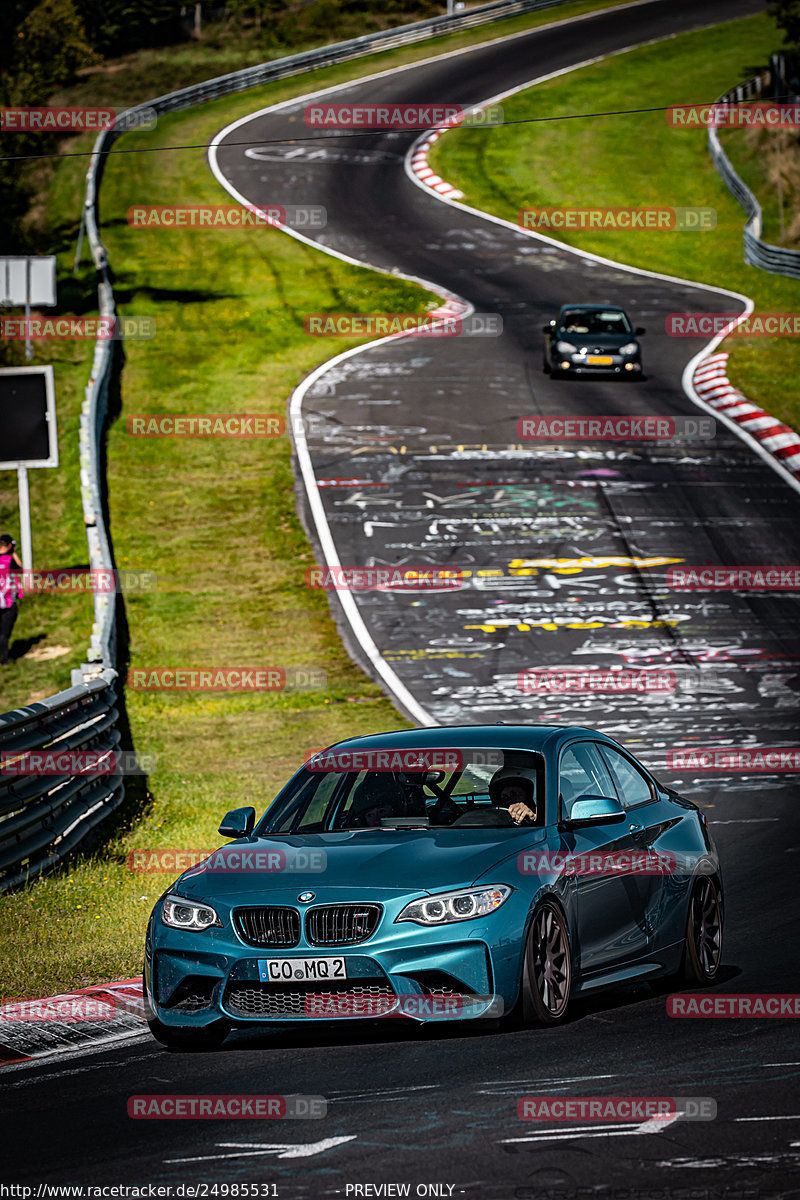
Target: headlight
{"points": [[454, 906], [178, 913], [629, 348], [566, 348]]}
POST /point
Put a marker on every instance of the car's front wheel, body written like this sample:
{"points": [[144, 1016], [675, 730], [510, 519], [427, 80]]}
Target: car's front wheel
{"points": [[547, 970], [702, 952]]}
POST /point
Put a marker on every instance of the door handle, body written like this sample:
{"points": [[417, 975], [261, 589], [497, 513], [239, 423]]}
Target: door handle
{"points": [[636, 829]]}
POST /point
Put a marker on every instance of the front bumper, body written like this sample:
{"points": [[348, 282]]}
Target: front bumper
{"points": [[579, 364], [461, 971], [192, 990]]}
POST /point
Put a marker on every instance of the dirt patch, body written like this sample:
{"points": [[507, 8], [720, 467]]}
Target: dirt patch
{"points": [[43, 653]]}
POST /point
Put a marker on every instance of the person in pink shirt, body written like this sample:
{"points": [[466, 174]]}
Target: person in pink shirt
{"points": [[10, 590]]}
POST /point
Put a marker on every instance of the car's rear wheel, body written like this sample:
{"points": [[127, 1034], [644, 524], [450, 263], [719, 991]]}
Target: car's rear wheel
{"points": [[210, 1037], [702, 952], [547, 970]]}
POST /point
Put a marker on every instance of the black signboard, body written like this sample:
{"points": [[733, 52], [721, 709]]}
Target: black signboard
{"points": [[28, 435]]}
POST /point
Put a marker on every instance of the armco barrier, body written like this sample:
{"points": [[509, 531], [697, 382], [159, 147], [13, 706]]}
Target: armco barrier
{"points": [[776, 259], [44, 819]]}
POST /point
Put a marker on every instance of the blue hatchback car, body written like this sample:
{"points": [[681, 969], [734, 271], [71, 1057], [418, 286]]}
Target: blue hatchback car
{"points": [[458, 872]]}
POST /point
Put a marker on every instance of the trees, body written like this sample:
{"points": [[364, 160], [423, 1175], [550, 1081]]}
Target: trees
{"points": [[48, 44], [787, 18], [119, 26], [42, 45]]}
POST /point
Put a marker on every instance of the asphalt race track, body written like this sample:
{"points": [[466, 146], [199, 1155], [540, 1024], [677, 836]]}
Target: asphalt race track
{"points": [[429, 427]]}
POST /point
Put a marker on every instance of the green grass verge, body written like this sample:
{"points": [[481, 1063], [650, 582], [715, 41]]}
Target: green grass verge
{"points": [[215, 520], [638, 160], [759, 156]]}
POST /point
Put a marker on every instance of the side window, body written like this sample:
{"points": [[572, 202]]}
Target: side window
{"points": [[582, 772], [632, 787]]}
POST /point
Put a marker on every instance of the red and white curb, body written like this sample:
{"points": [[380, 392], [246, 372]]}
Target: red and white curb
{"points": [[32, 1028], [420, 167], [713, 386], [453, 307]]}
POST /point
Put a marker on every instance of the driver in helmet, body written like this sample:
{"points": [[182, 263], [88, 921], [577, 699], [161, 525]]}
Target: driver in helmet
{"points": [[514, 788]]}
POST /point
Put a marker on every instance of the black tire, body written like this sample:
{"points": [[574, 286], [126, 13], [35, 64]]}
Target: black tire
{"points": [[702, 952], [547, 969], [209, 1037], [545, 366]]}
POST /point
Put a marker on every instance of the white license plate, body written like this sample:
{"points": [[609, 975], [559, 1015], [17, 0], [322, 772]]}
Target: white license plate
{"points": [[289, 970]]}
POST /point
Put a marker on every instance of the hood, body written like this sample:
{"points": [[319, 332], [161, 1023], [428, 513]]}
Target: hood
{"points": [[608, 341], [371, 860]]}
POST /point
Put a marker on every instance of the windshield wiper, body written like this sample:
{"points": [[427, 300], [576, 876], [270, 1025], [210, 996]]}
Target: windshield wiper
{"points": [[405, 823]]}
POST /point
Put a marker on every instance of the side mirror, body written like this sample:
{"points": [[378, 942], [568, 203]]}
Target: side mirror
{"points": [[639, 330], [421, 778], [238, 822], [549, 327], [594, 810]]}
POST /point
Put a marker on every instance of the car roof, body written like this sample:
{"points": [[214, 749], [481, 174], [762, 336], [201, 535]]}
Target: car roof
{"points": [[502, 736]]}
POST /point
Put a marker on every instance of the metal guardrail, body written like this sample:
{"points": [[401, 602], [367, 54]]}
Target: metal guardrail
{"points": [[779, 260], [43, 818]]}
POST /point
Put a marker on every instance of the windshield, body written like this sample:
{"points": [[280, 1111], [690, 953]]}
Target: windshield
{"points": [[380, 789], [581, 320]]}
